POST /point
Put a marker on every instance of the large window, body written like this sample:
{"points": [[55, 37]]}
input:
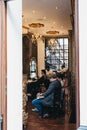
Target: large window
{"points": [[56, 52]]}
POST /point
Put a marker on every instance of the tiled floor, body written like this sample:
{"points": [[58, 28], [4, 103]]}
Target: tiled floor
{"points": [[37, 123]]}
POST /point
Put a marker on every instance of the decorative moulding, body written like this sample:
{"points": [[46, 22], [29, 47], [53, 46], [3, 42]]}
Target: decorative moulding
{"points": [[52, 32], [36, 25]]}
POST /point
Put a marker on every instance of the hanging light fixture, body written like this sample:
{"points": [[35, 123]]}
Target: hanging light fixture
{"points": [[36, 25], [35, 37], [52, 43]]}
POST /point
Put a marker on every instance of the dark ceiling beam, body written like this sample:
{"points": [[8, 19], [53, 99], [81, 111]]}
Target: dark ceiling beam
{"points": [[73, 6], [72, 12]]}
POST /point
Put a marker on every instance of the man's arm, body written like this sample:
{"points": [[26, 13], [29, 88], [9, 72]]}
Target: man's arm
{"points": [[49, 90]]}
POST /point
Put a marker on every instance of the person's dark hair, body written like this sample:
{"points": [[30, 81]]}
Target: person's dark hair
{"points": [[63, 65], [52, 75], [59, 75], [44, 71], [47, 67]]}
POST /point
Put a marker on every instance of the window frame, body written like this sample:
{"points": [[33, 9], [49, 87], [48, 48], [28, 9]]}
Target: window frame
{"points": [[58, 50]]}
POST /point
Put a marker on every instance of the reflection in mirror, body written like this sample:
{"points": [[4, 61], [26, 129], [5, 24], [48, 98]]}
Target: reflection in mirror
{"points": [[33, 73]]}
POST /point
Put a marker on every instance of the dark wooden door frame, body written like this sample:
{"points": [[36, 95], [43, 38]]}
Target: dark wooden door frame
{"points": [[3, 67], [77, 64]]}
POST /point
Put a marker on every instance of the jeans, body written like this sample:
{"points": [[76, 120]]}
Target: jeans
{"points": [[37, 104]]}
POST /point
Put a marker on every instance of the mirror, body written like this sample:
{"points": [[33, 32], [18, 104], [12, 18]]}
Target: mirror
{"points": [[33, 68]]}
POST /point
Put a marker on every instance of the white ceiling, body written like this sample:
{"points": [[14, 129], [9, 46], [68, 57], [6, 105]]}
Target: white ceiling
{"points": [[54, 14]]}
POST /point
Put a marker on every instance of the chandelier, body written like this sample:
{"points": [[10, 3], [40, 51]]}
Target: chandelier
{"points": [[36, 25], [35, 37], [52, 43]]}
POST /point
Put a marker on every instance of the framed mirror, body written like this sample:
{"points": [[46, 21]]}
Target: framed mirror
{"points": [[33, 68]]}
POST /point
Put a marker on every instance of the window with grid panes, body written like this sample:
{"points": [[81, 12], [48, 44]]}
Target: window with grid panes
{"points": [[56, 52]]}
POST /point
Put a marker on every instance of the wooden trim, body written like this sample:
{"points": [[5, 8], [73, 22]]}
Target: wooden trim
{"points": [[0, 59], [5, 68], [3, 65], [73, 6], [77, 64]]}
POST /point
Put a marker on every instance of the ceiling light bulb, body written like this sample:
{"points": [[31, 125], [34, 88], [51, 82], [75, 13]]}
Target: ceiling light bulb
{"points": [[33, 11], [54, 22], [44, 17], [62, 26], [25, 20], [56, 7]]}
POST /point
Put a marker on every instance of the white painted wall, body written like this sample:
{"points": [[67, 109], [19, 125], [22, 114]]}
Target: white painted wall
{"points": [[14, 65], [83, 60]]}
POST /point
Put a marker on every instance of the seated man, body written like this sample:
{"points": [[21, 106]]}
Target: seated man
{"points": [[47, 97], [34, 87]]}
